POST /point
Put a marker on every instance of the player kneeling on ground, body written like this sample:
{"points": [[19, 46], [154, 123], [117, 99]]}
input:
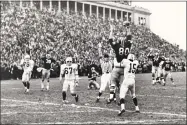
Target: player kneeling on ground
{"points": [[27, 64], [71, 78], [92, 79], [167, 67], [129, 82]]}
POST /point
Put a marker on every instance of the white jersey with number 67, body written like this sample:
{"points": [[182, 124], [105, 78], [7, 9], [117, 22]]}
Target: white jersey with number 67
{"points": [[69, 71], [130, 68]]}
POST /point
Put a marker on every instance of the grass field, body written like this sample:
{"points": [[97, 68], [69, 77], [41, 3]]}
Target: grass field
{"points": [[158, 104]]}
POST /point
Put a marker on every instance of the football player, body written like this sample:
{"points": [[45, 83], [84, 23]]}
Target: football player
{"points": [[128, 83], [92, 79], [27, 64], [106, 66], [71, 78], [167, 67], [156, 71], [48, 63], [121, 49]]}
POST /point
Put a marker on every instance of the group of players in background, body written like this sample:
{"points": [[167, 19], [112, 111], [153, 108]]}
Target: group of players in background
{"points": [[117, 74]]}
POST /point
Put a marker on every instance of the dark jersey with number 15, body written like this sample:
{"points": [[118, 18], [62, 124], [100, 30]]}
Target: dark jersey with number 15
{"points": [[121, 49]]}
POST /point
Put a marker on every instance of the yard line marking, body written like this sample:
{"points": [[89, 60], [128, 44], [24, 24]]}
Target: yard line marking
{"points": [[164, 96], [127, 94], [44, 103], [14, 113], [112, 122], [14, 105], [168, 87], [107, 109]]}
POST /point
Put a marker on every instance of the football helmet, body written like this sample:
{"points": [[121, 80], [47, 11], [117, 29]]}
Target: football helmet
{"points": [[69, 59], [131, 57]]}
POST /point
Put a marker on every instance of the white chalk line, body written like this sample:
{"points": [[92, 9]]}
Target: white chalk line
{"points": [[113, 122], [14, 105], [168, 87], [56, 112], [90, 107], [136, 94]]}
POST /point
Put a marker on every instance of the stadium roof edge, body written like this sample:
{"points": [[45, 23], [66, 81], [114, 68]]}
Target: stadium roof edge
{"points": [[123, 6]]}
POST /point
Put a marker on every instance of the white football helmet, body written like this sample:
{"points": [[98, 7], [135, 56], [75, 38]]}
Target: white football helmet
{"points": [[69, 59], [48, 56], [131, 57]]}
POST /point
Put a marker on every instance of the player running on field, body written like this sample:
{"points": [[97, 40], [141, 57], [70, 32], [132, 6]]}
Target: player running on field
{"points": [[71, 78], [47, 63], [121, 49], [27, 64], [156, 60], [167, 67], [129, 82], [106, 66]]}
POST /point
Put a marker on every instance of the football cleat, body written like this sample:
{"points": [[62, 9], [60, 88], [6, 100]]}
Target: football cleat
{"points": [[174, 84], [121, 112], [76, 98], [153, 82], [109, 101], [115, 100], [65, 101], [137, 110], [97, 100]]}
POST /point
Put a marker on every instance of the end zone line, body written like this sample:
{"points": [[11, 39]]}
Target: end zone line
{"points": [[107, 109]]}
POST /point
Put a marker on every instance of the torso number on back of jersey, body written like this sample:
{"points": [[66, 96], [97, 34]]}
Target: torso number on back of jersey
{"points": [[68, 70], [132, 68], [122, 51]]}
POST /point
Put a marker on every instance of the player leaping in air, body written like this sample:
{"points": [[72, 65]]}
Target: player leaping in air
{"points": [[71, 78], [106, 66], [121, 49], [27, 64], [47, 64]]}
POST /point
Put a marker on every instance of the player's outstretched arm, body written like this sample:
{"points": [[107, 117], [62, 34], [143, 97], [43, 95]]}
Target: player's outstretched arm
{"points": [[111, 32], [62, 70], [32, 66], [100, 52]]}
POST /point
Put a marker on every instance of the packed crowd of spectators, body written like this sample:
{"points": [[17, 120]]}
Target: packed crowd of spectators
{"points": [[29, 30]]}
